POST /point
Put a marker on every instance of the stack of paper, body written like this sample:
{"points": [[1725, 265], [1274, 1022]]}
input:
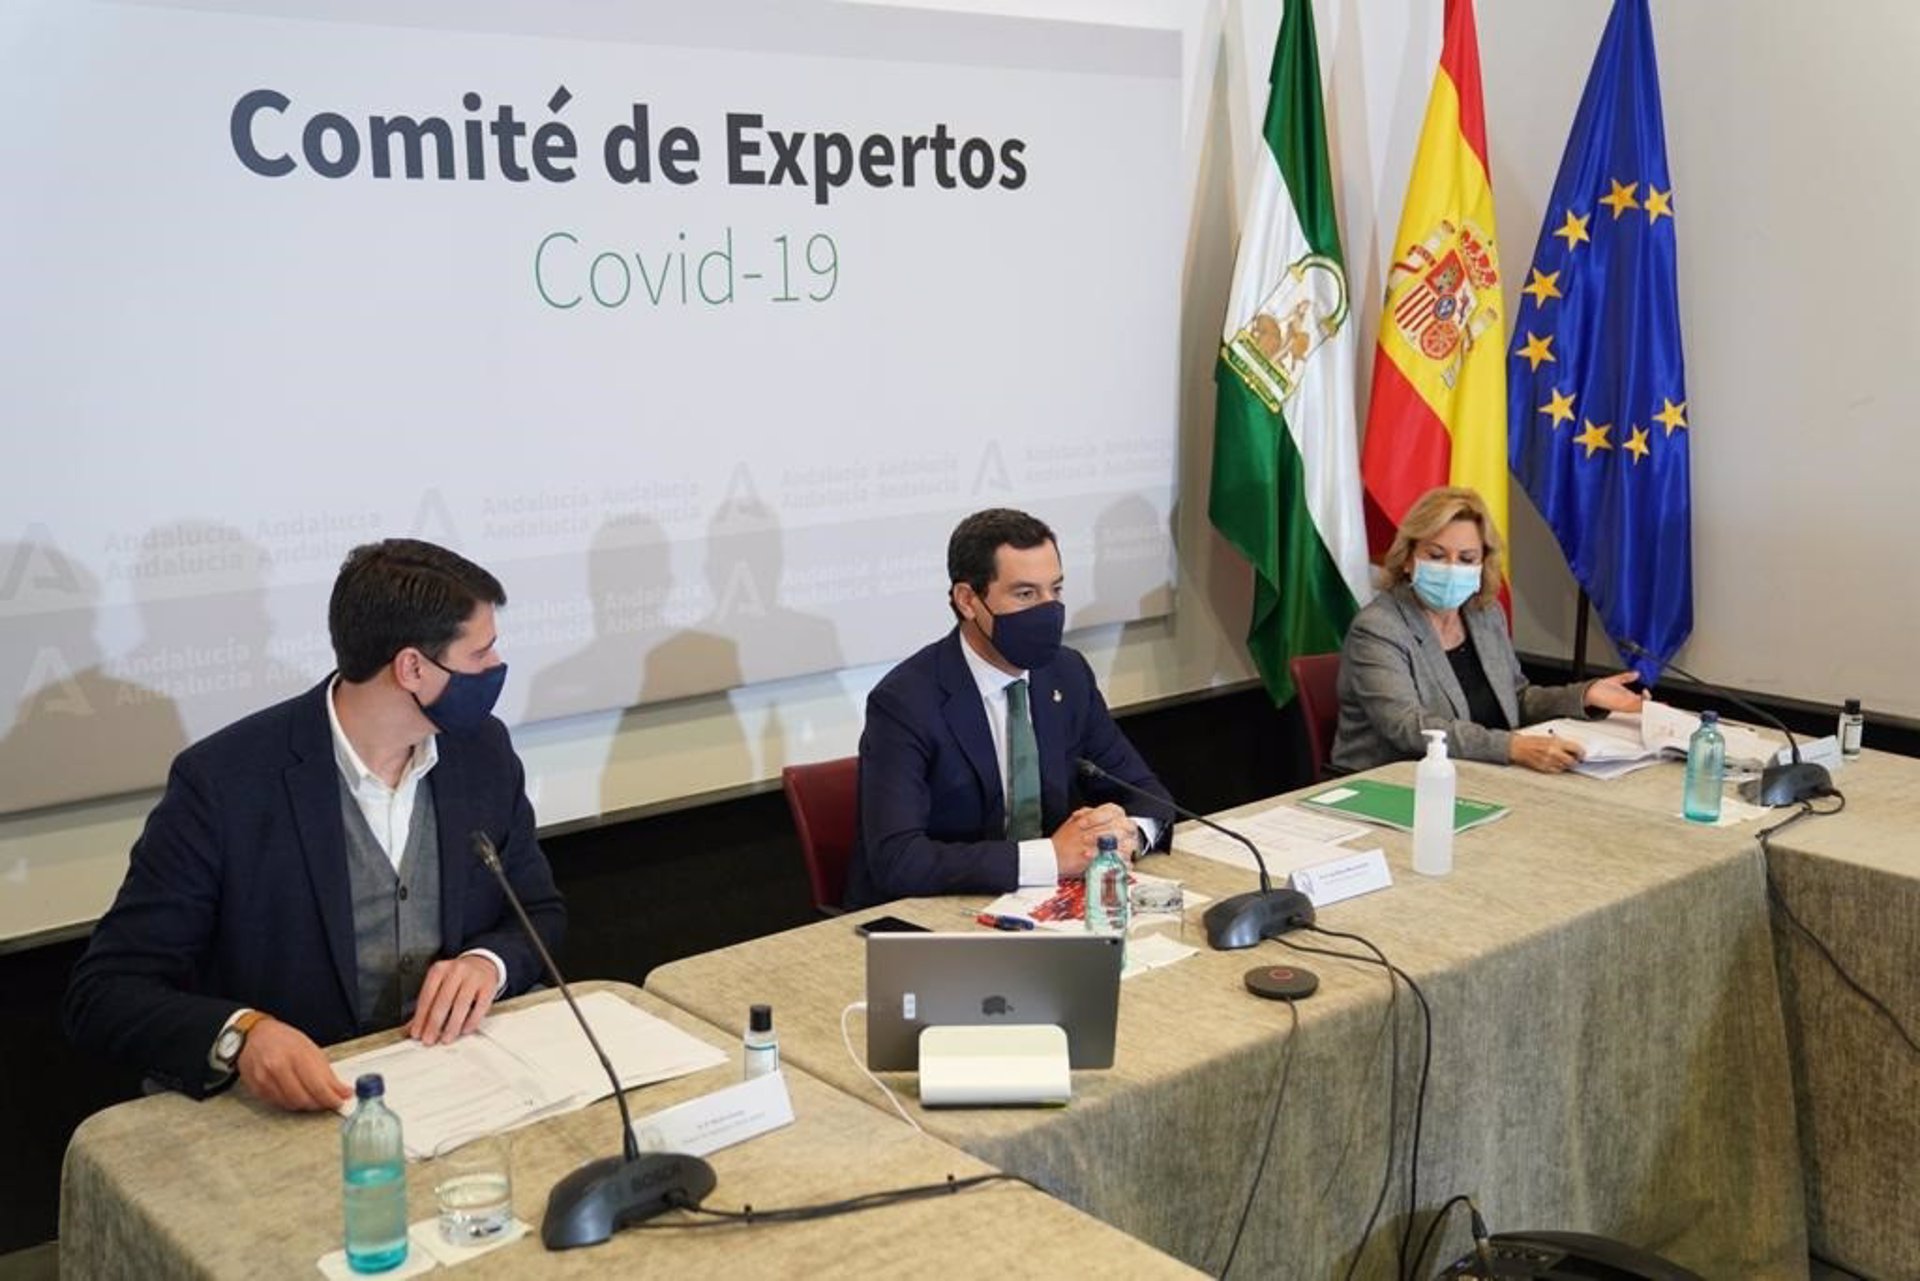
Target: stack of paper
{"points": [[520, 1067], [1289, 839], [1627, 741], [1667, 729]]}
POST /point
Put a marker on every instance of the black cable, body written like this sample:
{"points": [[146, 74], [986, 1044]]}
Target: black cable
{"points": [[825, 1210], [1420, 1094], [1266, 1148], [1420, 1098], [1779, 902], [1426, 1238], [1426, 1070], [1392, 1028], [1392, 1097], [1389, 1036], [1806, 810], [1393, 1094]]}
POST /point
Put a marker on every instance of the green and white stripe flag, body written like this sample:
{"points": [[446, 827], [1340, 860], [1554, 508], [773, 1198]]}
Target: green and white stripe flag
{"points": [[1286, 470]]}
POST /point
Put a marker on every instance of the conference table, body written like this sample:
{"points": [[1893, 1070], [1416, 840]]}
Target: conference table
{"points": [[1853, 880], [168, 1187], [1609, 1054]]}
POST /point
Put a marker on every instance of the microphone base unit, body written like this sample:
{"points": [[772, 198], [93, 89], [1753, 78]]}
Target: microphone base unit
{"points": [[601, 1197], [1245, 919], [1562, 1256], [1791, 784], [1282, 982]]}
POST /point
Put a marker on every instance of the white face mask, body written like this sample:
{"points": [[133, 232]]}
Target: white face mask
{"points": [[1440, 585]]}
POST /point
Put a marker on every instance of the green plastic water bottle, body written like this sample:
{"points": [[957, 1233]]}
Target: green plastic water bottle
{"points": [[1706, 770], [1109, 900], [373, 1167]]}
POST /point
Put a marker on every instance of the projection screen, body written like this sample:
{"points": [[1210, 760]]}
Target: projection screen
{"points": [[698, 324]]}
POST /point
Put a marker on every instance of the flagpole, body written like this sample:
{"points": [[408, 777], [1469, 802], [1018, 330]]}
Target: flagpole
{"points": [[1580, 637]]}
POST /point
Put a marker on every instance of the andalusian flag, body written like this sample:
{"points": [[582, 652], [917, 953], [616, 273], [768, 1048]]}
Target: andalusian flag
{"points": [[1439, 408], [1286, 490]]}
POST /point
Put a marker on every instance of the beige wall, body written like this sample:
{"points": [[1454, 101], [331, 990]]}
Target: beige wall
{"points": [[1788, 130]]}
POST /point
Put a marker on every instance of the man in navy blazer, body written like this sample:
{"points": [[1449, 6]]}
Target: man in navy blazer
{"points": [[936, 765], [234, 947]]}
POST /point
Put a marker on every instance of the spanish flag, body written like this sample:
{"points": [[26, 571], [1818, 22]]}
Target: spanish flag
{"points": [[1439, 409]]}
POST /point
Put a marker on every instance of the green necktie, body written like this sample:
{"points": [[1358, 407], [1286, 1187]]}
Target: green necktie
{"points": [[1023, 754]]}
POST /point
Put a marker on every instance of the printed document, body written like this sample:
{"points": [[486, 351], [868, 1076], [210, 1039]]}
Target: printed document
{"points": [[519, 1067], [1626, 741]]}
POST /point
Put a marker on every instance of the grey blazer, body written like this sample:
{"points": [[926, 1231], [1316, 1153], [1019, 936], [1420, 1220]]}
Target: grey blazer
{"points": [[1395, 681]]}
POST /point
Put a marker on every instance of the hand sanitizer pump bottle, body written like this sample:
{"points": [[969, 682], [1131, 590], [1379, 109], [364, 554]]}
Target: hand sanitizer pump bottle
{"points": [[1433, 784]]}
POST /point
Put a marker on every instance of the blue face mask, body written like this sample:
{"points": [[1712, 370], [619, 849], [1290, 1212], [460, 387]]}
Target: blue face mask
{"points": [[1029, 638], [468, 699], [1443, 586]]}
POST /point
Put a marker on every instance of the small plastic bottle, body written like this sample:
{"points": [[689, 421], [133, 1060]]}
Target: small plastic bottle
{"points": [[763, 1046], [1109, 901], [373, 1168], [1433, 787], [1852, 723], [1706, 771]]}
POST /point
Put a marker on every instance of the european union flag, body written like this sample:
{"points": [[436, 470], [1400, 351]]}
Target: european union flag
{"points": [[1597, 397]]}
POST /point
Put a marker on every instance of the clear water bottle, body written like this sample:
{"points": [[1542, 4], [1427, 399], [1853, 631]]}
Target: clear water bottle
{"points": [[1706, 770], [1433, 789], [373, 1167], [762, 1044], [1109, 904]]}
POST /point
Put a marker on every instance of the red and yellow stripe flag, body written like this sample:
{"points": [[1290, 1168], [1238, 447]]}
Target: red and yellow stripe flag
{"points": [[1439, 407]]}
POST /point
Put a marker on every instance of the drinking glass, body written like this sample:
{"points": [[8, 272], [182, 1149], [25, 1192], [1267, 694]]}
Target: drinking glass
{"points": [[473, 1188], [1159, 902]]}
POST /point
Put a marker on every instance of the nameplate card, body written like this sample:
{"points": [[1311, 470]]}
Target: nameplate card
{"points": [[1818, 751], [718, 1120], [1339, 879]]}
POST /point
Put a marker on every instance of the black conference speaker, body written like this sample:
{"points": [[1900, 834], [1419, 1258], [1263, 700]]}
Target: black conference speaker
{"points": [[1572, 1256]]}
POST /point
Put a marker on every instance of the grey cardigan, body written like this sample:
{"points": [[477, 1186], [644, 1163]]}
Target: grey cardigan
{"points": [[1395, 681]]}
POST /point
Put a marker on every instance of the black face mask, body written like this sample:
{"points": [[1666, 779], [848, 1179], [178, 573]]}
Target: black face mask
{"points": [[1029, 638], [468, 699]]}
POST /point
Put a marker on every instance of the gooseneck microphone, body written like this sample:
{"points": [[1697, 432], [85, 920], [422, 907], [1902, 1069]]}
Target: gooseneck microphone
{"points": [[589, 1205], [1243, 919], [1779, 784]]}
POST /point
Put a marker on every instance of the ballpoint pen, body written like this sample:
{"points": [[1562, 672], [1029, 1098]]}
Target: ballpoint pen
{"points": [[1000, 922]]}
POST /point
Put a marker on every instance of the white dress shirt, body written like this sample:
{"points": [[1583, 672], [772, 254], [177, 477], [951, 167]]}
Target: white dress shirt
{"points": [[389, 810], [1038, 865]]}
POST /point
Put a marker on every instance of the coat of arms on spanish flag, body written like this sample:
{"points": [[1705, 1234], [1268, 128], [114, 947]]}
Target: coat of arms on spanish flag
{"points": [[1439, 404]]}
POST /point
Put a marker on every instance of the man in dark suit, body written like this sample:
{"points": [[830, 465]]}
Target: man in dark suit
{"points": [[309, 876], [968, 782]]}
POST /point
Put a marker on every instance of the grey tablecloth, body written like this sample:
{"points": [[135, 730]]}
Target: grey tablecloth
{"points": [[166, 1187], [1853, 879], [1609, 1056]]}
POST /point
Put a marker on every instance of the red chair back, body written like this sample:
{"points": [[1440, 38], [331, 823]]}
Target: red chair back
{"points": [[823, 798], [1316, 678]]}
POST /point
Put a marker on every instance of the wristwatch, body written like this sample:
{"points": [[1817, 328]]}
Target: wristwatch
{"points": [[233, 1038]]}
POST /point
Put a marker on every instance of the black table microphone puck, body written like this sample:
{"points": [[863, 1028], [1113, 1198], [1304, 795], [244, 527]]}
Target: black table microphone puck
{"points": [[1281, 982]]}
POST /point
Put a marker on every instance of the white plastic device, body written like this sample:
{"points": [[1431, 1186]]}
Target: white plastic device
{"points": [[994, 1065]]}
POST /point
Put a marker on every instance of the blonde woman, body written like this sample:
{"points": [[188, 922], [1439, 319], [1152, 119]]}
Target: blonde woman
{"points": [[1432, 652]]}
